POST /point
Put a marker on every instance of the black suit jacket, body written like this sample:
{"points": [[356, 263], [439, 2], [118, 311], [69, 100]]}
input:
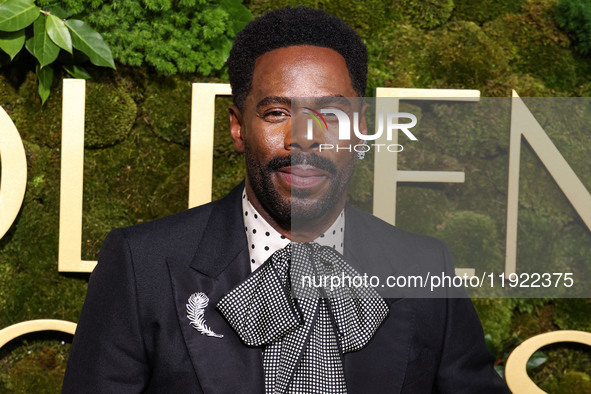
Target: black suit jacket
{"points": [[134, 335]]}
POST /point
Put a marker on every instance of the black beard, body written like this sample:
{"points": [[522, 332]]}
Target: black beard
{"points": [[299, 210]]}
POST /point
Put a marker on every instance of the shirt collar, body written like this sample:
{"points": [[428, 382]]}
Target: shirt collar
{"points": [[264, 240]]}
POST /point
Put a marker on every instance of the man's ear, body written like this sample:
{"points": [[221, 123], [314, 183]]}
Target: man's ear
{"points": [[236, 128]]}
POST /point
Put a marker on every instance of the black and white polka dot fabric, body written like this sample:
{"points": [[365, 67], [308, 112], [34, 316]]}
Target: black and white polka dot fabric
{"points": [[264, 240], [304, 337]]}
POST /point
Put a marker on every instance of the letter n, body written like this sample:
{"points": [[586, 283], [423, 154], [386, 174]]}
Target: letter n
{"points": [[523, 123]]}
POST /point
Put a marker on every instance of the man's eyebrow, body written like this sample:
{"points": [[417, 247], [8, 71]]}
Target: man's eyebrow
{"points": [[318, 101], [326, 101], [273, 100]]}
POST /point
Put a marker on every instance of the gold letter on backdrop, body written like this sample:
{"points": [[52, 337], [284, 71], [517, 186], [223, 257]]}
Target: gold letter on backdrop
{"points": [[386, 173], [201, 156], [524, 123], [13, 163], [71, 177], [516, 367], [72, 166]]}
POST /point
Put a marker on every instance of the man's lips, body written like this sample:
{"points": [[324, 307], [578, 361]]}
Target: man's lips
{"points": [[302, 176]]}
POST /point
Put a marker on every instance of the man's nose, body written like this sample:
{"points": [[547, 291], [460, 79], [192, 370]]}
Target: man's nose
{"points": [[306, 134]]}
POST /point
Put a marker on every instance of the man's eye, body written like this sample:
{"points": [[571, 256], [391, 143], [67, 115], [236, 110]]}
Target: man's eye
{"points": [[275, 116]]}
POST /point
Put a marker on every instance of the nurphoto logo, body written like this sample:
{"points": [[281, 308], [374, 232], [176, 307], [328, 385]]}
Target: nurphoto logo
{"points": [[389, 122]]}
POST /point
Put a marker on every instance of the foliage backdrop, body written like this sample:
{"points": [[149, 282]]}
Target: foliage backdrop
{"points": [[137, 138]]}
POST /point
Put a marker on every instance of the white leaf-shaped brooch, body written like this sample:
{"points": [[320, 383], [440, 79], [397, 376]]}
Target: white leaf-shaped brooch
{"points": [[195, 310]]}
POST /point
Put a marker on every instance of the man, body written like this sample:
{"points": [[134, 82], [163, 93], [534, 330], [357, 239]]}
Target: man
{"points": [[185, 304]]}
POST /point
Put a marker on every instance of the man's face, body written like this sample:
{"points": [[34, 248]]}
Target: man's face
{"points": [[287, 176]]}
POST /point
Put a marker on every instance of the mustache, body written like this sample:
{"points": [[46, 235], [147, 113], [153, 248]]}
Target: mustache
{"points": [[311, 159]]}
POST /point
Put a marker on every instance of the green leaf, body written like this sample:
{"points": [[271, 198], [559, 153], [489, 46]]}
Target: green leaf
{"points": [[490, 344], [12, 42], [17, 14], [223, 45], [536, 359], [58, 32], [500, 369], [77, 72], [239, 14], [91, 43], [229, 4], [40, 45], [45, 75]]}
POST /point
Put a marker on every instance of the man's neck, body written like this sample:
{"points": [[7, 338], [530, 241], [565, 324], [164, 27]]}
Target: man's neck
{"points": [[308, 233]]}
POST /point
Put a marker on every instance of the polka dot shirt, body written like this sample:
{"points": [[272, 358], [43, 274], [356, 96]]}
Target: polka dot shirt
{"points": [[264, 240]]}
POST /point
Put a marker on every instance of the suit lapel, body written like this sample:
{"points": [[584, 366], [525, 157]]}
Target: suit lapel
{"points": [[220, 263], [380, 366]]}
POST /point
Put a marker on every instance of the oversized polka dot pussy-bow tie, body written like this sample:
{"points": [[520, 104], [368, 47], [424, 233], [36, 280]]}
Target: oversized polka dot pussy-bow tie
{"points": [[304, 328]]}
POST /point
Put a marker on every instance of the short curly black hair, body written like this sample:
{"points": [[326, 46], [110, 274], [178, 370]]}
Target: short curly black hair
{"points": [[288, 27]]}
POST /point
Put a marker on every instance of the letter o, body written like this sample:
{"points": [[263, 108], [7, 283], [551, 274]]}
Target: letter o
{"points": [[373, 283], [399, 148], [361, 148], [399, 279]]}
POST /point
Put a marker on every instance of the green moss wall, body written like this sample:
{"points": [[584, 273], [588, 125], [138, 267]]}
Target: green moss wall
{"points": [[136, 169]]}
